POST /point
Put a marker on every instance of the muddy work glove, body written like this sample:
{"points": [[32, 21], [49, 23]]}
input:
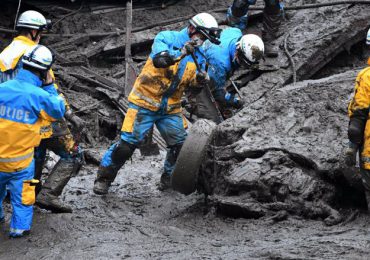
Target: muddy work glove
{"points": [[75, 120], [188, 48], [202, 78], [233, 101], [350, 154], [163, 60]]}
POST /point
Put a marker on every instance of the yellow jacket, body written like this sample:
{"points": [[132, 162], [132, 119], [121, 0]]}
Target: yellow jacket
{"points": [[359, 106], [162, 88], [23, 105]]}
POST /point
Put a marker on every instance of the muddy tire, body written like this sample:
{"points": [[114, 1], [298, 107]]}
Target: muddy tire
{"points": [[185, 174]]}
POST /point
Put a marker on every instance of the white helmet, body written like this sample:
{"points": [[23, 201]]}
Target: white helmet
{"points": [[250, 49], [38, 57], [33, 20], [368, 37], [207, 25]]}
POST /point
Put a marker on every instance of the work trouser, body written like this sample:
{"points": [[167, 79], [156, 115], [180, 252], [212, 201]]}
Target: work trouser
{"points": [[205, 108], [271, 19], [365, 175], [138, 121], [64, 146], [21, 187], [271, 16]]}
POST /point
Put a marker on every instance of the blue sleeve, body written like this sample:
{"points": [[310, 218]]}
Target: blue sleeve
{"points": [[52, 107], [164, 42], [51, 89]]}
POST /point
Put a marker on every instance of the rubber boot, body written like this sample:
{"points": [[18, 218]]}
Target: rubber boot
{"points": [[104, 179], [120, 153], [271, 24], [367, 195], [53, 187], [169, 165], [39, 165], [165, 182]]}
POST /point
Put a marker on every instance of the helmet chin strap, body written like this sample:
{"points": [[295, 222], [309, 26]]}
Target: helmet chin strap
{"points": [[34, 37]]}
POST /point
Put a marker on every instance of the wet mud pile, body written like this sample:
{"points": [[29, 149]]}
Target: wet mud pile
{"points": [[272, 172], [283, 154]]}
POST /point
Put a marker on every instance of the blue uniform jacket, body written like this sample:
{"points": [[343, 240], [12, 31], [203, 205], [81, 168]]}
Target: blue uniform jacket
{"points": [[220, 58], [23, 107]]}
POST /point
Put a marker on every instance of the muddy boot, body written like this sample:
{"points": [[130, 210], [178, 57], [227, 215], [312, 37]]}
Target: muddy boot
{"points": [[105, 177], [271, 24], [367, 194], [38, 173], [53, 187], [165, 182]]}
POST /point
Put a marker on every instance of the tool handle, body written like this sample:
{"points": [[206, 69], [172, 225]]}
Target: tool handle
{"points": [[209, 92]]}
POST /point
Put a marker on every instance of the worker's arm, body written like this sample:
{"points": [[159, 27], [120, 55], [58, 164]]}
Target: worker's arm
{"points": [[52, 107], [162, 54], [69, 115]]}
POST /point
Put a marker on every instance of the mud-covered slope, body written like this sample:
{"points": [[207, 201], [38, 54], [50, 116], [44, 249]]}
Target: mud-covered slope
{"points": [[313, 38]]}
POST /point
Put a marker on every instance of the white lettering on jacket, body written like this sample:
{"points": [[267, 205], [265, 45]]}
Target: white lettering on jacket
{"points": [[15, 114]]}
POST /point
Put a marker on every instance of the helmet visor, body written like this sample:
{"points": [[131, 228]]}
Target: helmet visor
{"points": [[47, 27], [212, 34]]}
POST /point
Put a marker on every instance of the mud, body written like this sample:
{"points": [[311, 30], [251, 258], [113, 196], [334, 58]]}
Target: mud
{"points": [[274, 175]]}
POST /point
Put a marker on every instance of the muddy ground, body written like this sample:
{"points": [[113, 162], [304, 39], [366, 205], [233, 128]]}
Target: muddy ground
{"points": [[137, 221]]}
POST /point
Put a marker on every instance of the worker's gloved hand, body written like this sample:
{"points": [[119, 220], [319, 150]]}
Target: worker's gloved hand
{"points": [[350, 154], [78, 122], [75, 120], [188, 48], [202, 78], [233, 101]]}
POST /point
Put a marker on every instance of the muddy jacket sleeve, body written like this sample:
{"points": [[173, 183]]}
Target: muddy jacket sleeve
{"points": [[52, 107], [164, 42], [358, 109]]}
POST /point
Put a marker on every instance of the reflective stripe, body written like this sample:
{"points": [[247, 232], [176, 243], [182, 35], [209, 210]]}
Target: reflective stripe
{"points": [[173, 107], [45, 129], [365, 159], [17, 231], [16, 159], [149, 100]]}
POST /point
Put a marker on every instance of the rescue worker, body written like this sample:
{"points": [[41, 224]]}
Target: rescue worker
{"points": [[235, 51], [359, 126], [156, 97], [56, 137], [23, 106], [237, 16]]}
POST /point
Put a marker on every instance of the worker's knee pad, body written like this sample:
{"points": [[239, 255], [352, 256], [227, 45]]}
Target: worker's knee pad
{"points": [[122, 152], [173, 153]]}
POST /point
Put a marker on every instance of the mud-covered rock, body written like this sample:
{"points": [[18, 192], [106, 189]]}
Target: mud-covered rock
{"points": [[284, 153]]}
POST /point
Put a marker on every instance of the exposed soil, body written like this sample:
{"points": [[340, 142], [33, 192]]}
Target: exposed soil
{"points": [[257, 210]]}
